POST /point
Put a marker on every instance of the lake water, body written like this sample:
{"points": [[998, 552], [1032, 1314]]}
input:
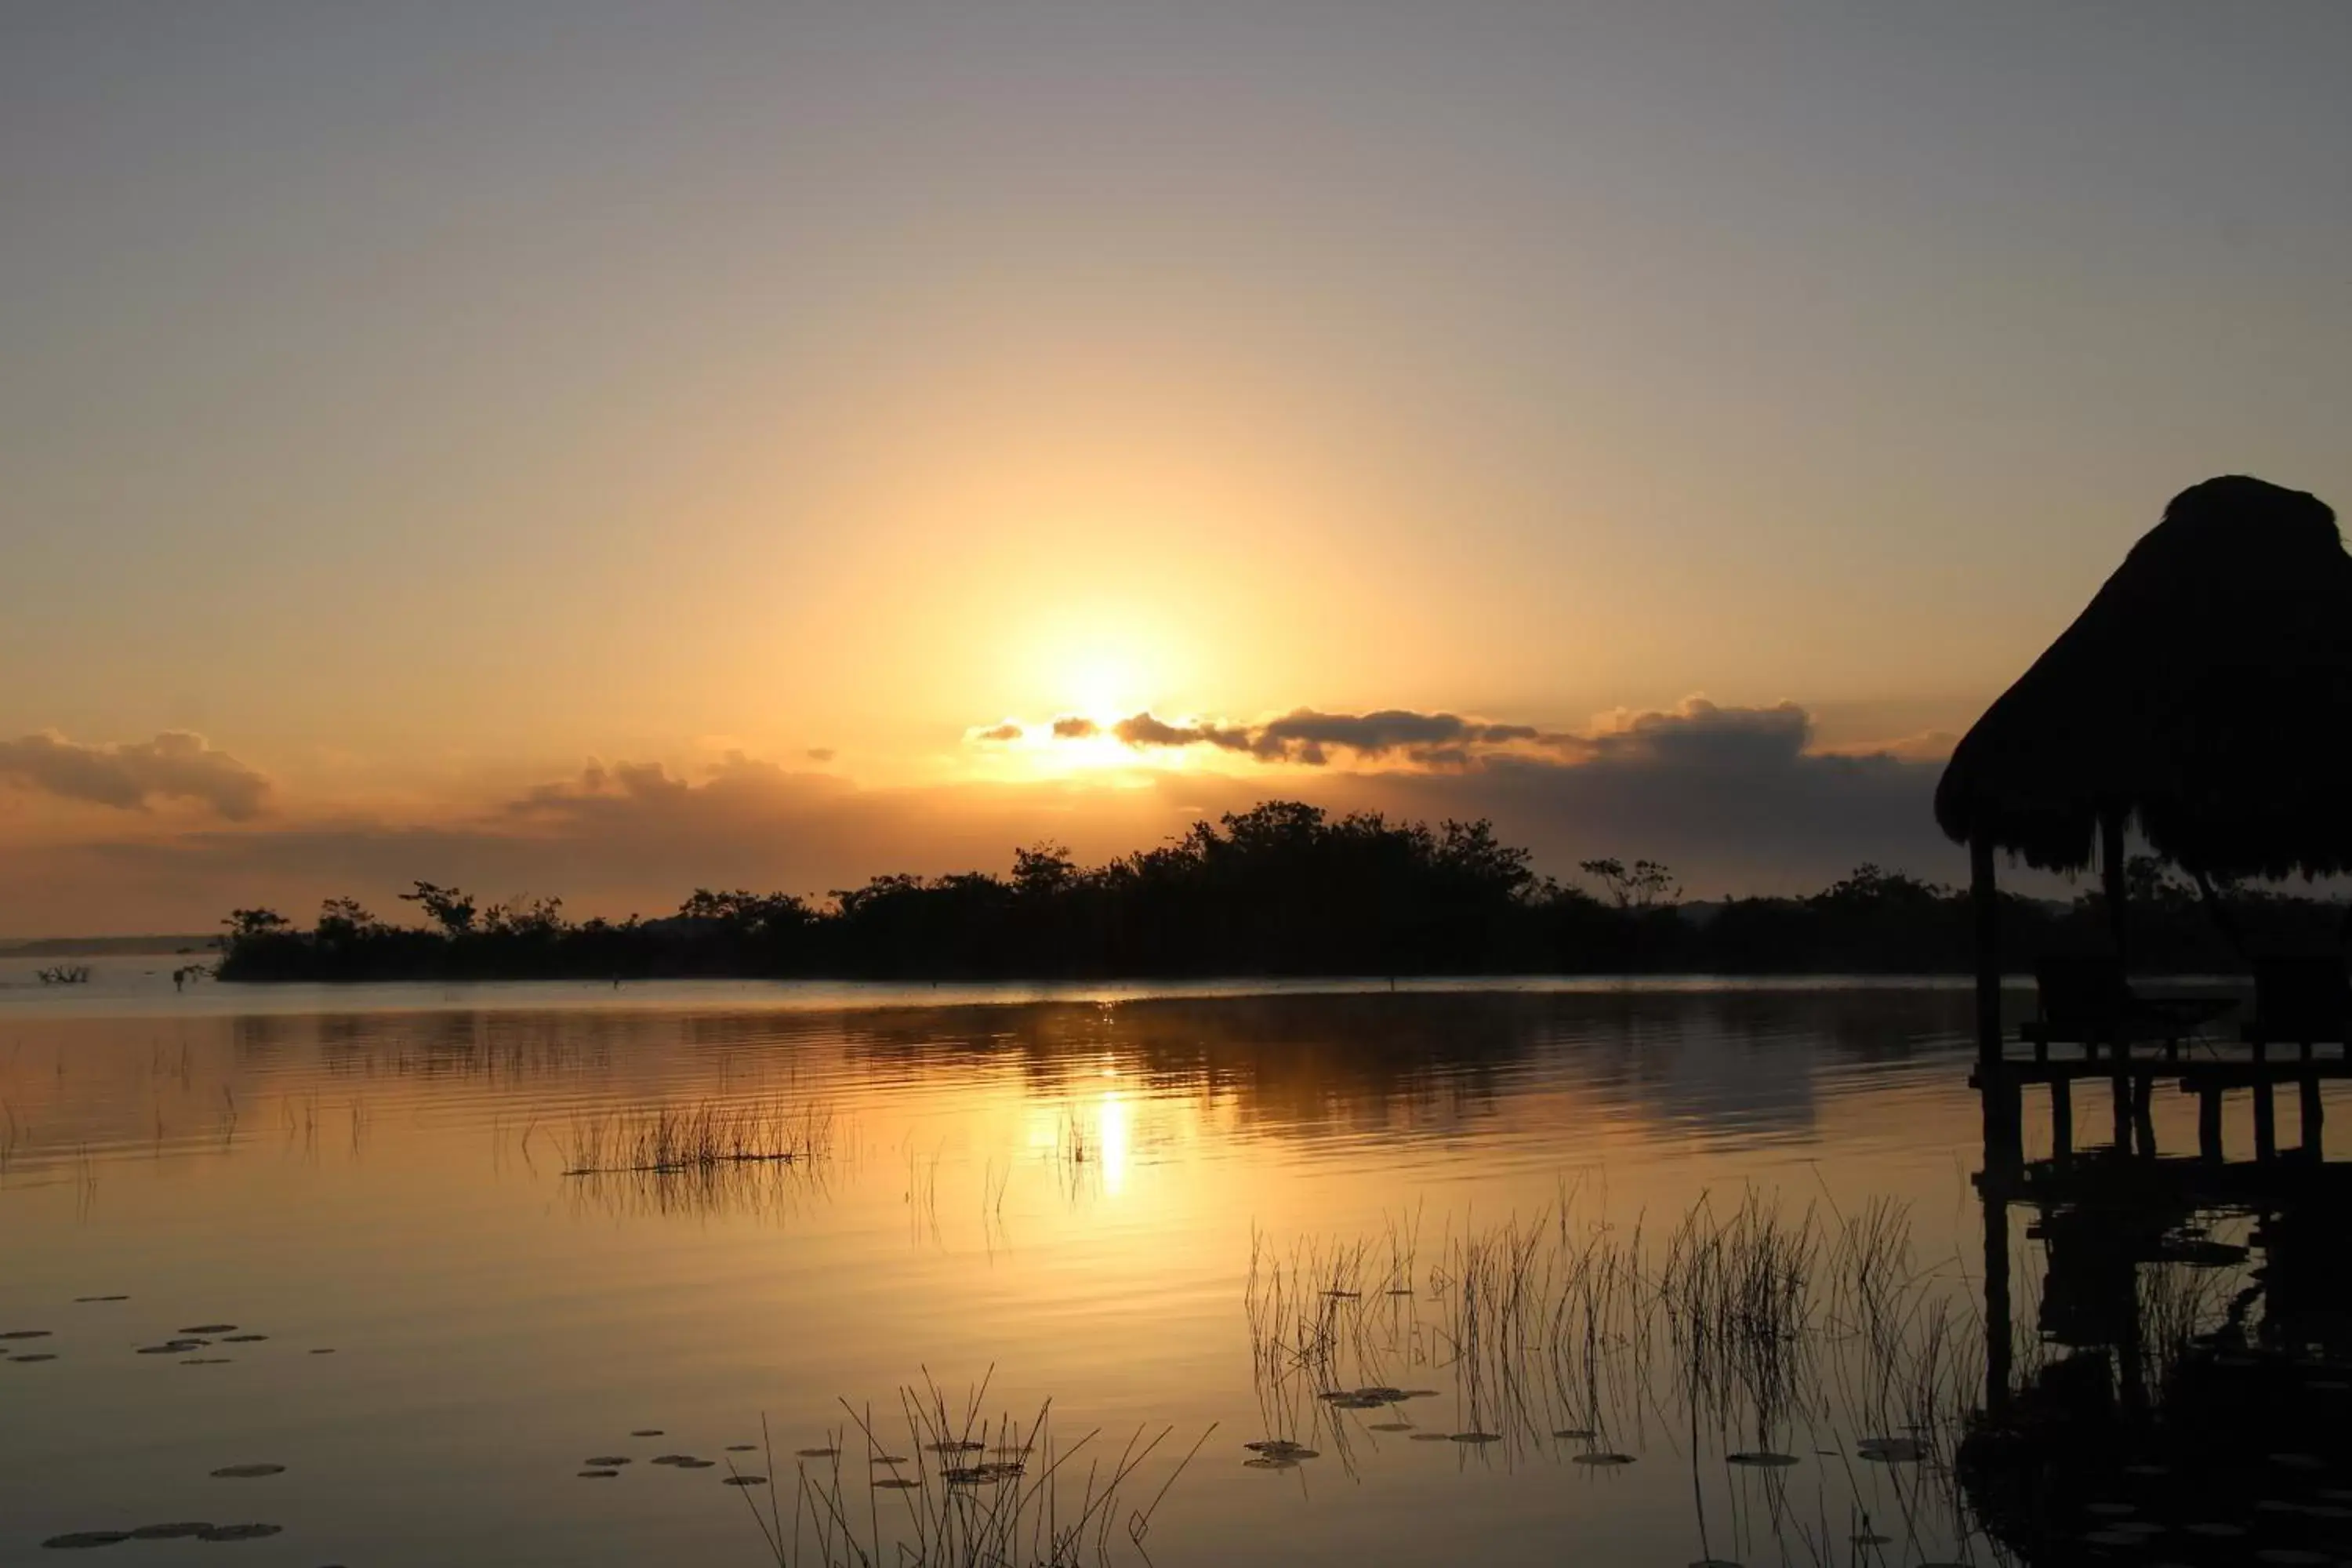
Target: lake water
{"points": [[1201, 1212]]}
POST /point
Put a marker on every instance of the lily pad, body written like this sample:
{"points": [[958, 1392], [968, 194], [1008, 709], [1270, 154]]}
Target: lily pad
{"points": [[646, 1432], [816, 1453], [1763, 1458], [244, 1338], [744, 1482], [83, 1300], [598, 1475], [180, 1531], [210, 1329], [606, 1461], [955, 1446], [25, 1334], [896, 1483], [670, 1459], [1268, 1462], [1600, 1459], [247, 1472], [1575, 1434], [82, 1540], [1392, 1426], [36, 1356], [241, 1531], [1891, 1450], [1431, 1438], [889, 1459], [1281, 1449], [1475, 1437]]}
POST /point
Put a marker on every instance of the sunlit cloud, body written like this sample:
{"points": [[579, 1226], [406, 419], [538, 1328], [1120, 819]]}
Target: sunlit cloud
{"points": [[1310, 738], [1143, 730], [1736, 798], [175, 766]]}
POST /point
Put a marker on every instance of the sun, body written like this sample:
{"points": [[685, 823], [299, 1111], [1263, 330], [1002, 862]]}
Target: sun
{"points": [[1105, 685]]}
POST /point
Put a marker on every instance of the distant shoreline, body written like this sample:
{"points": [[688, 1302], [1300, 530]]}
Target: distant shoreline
{"points": [[201, 944]]}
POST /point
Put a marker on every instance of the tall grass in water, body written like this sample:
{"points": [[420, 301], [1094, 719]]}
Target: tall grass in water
{"points": [[1746, 1336], [770, 1191], [703, 1137], [951, 1489]]}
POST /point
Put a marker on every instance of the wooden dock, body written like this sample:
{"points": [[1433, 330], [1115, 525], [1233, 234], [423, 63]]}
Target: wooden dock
{"points": [[2209, 1070]]}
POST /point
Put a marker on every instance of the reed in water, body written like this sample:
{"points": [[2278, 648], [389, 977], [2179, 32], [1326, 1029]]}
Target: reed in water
{"points": [[706, 1136]]}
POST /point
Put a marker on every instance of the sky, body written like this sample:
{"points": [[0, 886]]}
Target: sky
{"points": [[599, 450]]}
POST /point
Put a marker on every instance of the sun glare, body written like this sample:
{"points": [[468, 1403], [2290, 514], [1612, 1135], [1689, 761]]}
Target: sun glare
{"points": [[1105, 685]]}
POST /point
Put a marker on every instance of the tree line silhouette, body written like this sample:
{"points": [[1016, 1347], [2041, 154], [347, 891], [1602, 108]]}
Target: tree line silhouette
{"points": [[1285, 888]]}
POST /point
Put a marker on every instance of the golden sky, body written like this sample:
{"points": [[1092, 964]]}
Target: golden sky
{"points": [[431, 407]]}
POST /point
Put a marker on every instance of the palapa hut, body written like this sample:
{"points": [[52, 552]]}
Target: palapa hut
{"points": [[2204, 694]]}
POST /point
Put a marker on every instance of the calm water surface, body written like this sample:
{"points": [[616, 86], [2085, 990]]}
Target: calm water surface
{"points": [[1090, 1199]]}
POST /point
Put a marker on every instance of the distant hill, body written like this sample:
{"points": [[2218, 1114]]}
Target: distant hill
{"points": [[101, 946]]}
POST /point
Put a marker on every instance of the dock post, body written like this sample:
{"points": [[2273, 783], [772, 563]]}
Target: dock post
{"points": [[2208, 1125], [2144, 1116], [1999, 1346], [2062, 1118], [2123, 1112], [2266, 1121], [2315, 1119], [2004, 1134]]}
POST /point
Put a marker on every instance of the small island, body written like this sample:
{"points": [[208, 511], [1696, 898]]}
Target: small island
{"points": [[1285, 888]]}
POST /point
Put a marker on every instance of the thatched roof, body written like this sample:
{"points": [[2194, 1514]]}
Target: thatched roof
{"points": [[2206, 691]]}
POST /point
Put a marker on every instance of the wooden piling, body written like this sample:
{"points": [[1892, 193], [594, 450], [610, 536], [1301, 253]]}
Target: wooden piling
{"points": [[2004, 1135]]}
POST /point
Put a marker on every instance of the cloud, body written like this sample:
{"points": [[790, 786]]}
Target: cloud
{"points": [[1304, 736], [1928, 746], [820, 753], [1307, 736], [1731, 797], [1699, 735], [1143, 730], [175, 766], [995, 734], [1737, 797]]}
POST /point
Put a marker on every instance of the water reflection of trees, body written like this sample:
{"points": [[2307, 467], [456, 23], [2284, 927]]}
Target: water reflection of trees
{"points": [[1378, 1061]]}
